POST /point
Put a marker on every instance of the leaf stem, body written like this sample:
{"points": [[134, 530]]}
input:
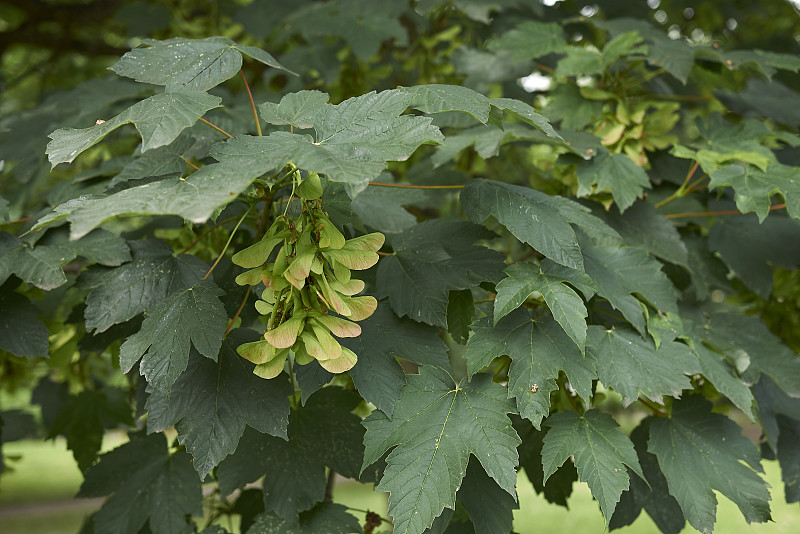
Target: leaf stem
{"points": [[681, 191], [190, 247], [190, 164], [709, 213], [252, 103], [217, 128], [406, 186], [228, 243], [238, 311], [17, 221], [650, 406]]}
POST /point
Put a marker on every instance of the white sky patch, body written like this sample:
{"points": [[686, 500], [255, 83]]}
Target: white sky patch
{"points": [[536, 82]]}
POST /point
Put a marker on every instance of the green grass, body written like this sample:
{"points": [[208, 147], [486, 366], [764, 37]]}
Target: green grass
{"points": [[46, 473]]}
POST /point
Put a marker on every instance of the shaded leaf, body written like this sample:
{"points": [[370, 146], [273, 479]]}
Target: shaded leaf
{"points": [[325, 517], [431, 259], [21, 331], [213, 400], [151, 276], [531, 40], [384, 337], [615, 172], [488, 505], [193, 317], [533, 217], [699, 452], [558, 487], [145, 482]]}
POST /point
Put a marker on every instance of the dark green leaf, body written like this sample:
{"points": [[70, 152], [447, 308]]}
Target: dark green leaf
{"points": [[789, 456], [213, 400], [326, 517], [435, 426], [151, 276], [558, 487], [643, 227], [600, 450], [488, 505], [630, 364], [321, 433], [614, 172], [460, 310], [188, 64], [701, 452], [538, 350], [193, 317], [384, 337], [773, 402], [533, 217], [622, 274], [531, 40], [296, 109], [40, 264], [550, 280], [431, 259], [147, 482], [21, 331], [755, 187], [159, 119], [652, 495]]}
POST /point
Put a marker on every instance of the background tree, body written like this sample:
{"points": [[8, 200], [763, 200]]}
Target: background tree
{"points": [[434, 243]]}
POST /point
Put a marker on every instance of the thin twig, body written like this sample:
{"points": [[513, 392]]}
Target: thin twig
{"points": [[190, 164], [406, 186], [217, 128], [252, 103], [190, 247], [222, 253], [17, 221], [652, 407], [709, 213], [389, 521], [238, 311], [680, 191]]}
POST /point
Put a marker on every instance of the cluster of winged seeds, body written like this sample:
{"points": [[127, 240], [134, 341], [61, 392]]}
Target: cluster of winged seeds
{"points": [[307, 280]]}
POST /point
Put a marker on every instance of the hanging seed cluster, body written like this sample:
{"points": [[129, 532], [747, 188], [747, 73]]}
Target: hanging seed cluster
{"points": [[309, 278]]}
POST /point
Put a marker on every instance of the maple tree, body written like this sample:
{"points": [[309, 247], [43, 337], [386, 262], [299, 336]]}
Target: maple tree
{"points": [[394, 260]]}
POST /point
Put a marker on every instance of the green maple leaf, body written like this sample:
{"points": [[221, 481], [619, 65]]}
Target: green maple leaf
{"points": [[40, 263], [321, 433], [550, 280], [213, 400], [431, 259], [296, 109], [630, 364], [773, 403], [83, 419], [700, 452], [600, 450], [145, 482], [533, 217], [152, 275], [488, 505], [435, 426], [530, 40], [193, 317], [194, 198], [754, 187], [616, 172], [621, 274], [384, 337], [156, 162], [747, 341], [558, 487], [159, 119], [21, 331], [538, 350], [643, 227], [723, 142], [326, 517], [188, 64], [652, 496], [382, 207], [352, 142], [789, 456]]}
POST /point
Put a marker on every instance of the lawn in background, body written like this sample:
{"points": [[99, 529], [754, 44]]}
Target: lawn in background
{"points": [[35, 499]]}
